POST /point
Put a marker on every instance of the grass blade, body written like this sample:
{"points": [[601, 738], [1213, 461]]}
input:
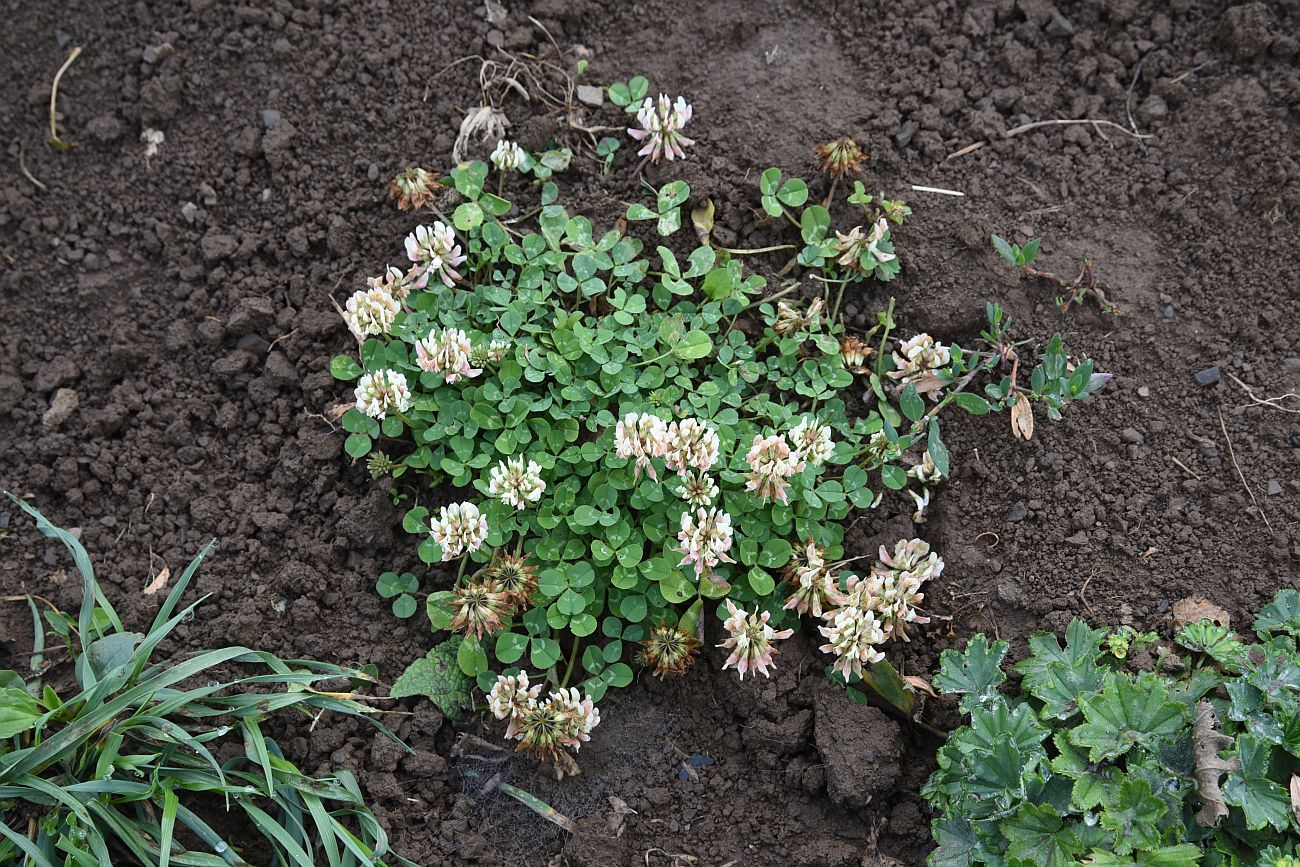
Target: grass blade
{"points": [[169, 805]]}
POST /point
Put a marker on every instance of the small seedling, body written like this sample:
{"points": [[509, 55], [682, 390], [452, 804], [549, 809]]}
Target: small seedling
{"points": [[1083, 285], [606, 148]]}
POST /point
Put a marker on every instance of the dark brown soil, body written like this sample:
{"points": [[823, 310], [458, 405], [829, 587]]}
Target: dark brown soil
{"points": [[186, 302]]}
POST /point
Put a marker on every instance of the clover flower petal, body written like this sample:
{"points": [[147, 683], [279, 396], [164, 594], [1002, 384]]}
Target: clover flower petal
{"points": [[918, 355], [640, 437], [510, 697], [459, 528], [705, 538], [771, 464], [854, 354], [750, 639], [691, 443], [853, 634], [382, 392], [433, 251], [447, 352], [698, 488], [815, 588], [812, 441], [515, 484], [661, 128], [392, 281], [370, 312]]}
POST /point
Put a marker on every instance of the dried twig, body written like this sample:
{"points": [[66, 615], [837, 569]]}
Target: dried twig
{"points": [[1232, 454], [54, 139], [1128, 96], [940, 190], [1189, 73], [22, 167], [1095, 123], [1185, 468], [1273, 402]]}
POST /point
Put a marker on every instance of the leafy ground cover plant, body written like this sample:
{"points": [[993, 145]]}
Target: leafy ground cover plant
{"points": [[1091, 761], [109, 770], [644, 440]]}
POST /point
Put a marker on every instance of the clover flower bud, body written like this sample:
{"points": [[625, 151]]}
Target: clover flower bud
{"points": [[919, 355], [370, 312], [812, 441], [513, 576], [840, 158], [511, 697], [661, 128], [854, 354], [380, 464], [750, 640], [771, 463], [853, 634], [698, 488], [496, 351], [433, 251], [392, 281], [414, 188], [382, 392], [508, 156], [515, 484], [705, 538], [640, 437], [446, 352], [691, 443], [789, 320], [459, 528], [477, 609], [881, 449], [669, 650]]}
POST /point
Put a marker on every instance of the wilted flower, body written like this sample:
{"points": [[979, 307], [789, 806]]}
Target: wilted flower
{"points": [[850, 247], [705, 538], [433, 251], [392, 281], [414, 188], [853, 634], [920, 354], [881, 449], [641, 436], [691, 443], [508, 156], [510, 697], [661, 128], [698, 488], [789, 320], [815, 589], [877, 235], [771, 463], [459, 528], [812, 441], [750, 640], [854, 353], [446, 352], [669, 650], [922, 501], [370, 312], [516, 485], [512, 576], [926, 472], [477, 609], [840, 158], [382, 392]]}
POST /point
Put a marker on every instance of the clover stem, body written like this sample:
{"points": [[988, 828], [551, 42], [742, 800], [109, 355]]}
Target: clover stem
{"points": [[501, 183], [573, 658], [839, 297], [886, 326], [460, 573], [757, 250], [831, 195]]}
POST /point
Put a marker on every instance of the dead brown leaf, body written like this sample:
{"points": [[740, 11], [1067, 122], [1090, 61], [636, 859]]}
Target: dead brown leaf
{"points": [[1207, 743], [336, 412], [1194, 609], [616, 818], [1022, 418], [916, 683], [1295, 797], [158, 582]]}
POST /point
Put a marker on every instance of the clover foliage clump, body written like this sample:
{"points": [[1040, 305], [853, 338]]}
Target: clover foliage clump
{"points": [[616, 442], [1093, 762]]}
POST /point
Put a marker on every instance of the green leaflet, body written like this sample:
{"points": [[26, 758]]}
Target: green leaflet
{"points": [[974, 674]]}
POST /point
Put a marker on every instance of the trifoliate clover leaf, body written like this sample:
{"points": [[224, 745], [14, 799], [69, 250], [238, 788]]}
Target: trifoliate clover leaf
{"points": [[438, 677], [1128, 712], [1039, 837], [1057, 676], [1130, 811], [1215, 641], [1263, 801], [1281, 616], [974, 674]]}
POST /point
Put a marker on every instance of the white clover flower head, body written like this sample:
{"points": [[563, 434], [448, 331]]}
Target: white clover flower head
{"points": [[458, 529], [392, 281], [640, 437], [370, 312], [854, 353], [661, 128], [878, 232], [510, 697], [515, 484], [812, 441], [850, 247], [880, 448], [698, 488], [771, 463], [382, 392], [508, 156], [853, 634], [433, 251], [583, 711], [750, 640], [691, 443], [705, 538], [912, 556], [446, 352], [814, 591], [789, 320], [920, 354]]}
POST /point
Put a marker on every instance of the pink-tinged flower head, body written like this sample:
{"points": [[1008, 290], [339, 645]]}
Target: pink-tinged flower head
{"points": [[750, 640], [853, 634], [446, 352], [691, 443], [705, 538], [370, 312], [392, 281], [459, 528], [583, 712], [640, 437], [815, 588], [912, 556], [812, 441], [661, 128], [771, 464], [789, 320], [510, 697], [515, 484], [382, 392], [433, 251]]}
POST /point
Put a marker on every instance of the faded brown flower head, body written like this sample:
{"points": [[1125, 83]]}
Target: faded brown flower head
{"points": [[414, 188], [840, 158], [669, 650], [512, 576], [855, 353], [478, 609]]}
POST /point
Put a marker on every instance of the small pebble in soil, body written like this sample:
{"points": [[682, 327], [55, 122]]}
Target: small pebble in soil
{"points": [[1143, 391], [1274, 487], [1207, 377]]}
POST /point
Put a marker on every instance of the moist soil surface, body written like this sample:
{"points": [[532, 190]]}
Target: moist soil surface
{"points": [[168, 321]]}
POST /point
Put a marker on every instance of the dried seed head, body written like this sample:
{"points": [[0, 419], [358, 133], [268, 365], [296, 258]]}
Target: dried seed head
{"points": [[669, 651], [512, 576], [840, 158], [477, 609], [414, 188]]}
